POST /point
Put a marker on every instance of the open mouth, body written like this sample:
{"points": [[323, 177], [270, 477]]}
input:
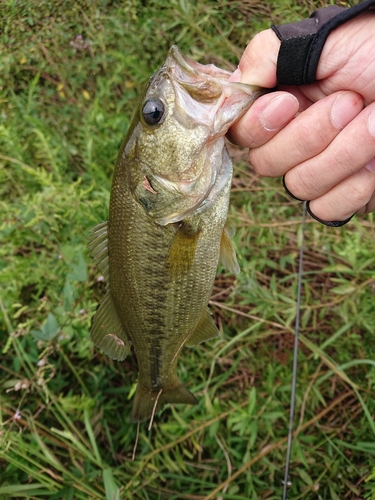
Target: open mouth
{"points": [[205, 92], [205, 105]]}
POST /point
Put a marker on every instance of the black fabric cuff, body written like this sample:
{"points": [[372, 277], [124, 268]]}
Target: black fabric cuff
{"points": [[333, 223], [302, 42], [289, 192]]}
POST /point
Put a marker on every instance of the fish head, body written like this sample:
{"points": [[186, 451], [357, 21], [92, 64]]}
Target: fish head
{"points": [[177, 137]]}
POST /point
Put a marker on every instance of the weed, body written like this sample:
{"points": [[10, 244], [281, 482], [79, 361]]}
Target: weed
{"points": [[71, 76]]}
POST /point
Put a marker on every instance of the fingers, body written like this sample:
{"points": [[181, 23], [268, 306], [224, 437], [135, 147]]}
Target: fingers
{"points": [[263, 47], [264, 119], [306, 136], [270, 112], [321, 137], [347, 61], [351, 150], [370, 207], [356, 194], [341, 180]]}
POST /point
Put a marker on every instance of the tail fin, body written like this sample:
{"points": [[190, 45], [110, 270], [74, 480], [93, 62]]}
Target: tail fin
{"points": [[148, 402]]}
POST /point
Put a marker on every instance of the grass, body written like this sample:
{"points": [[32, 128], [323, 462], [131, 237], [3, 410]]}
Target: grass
{"points": [[71, 75]]}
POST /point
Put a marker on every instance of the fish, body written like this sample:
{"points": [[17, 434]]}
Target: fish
{"points": [[167, 226]]}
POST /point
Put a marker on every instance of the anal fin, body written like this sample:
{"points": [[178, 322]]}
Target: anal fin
{"points": [[205, 330], [107, 331]]}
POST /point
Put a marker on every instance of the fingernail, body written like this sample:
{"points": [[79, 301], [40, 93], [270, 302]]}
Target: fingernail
{"points": [[371, 122], [344, 109], [277, 113], [235, 76], [371, 166]]}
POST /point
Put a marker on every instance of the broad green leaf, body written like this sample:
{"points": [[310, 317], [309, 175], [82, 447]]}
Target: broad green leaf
{"points": [[79, 270], [69, 293], [48, 330]]}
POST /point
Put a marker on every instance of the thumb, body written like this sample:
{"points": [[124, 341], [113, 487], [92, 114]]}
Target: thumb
{"points": [[258, 63]]}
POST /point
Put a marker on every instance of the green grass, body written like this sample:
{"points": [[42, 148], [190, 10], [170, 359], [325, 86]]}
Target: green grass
{"points": [[70, 76]]}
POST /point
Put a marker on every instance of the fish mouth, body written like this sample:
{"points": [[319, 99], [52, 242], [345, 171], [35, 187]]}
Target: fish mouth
{"points": [[204, 104], [204, 96], [205, 92]]}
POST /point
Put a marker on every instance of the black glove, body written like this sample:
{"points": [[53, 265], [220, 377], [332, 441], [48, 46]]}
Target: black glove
{"points": [[303, 42]]}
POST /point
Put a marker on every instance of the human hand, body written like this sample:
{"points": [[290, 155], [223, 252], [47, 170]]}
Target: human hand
{"points": [[320, 136]]}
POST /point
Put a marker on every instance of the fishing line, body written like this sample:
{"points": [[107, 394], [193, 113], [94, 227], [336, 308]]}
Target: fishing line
{"points": [[295, 358], [136, 442]]}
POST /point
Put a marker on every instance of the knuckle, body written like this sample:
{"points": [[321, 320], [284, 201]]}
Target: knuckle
{"points": [[260, 163], [370, 207], [360, 193], [346, 158], [302, 184], [310, 140], [257, 43]]}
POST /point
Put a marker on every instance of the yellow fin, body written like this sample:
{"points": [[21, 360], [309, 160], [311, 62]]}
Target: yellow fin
{"points": [[98, 246], [145, 401], [227, 251], [182, 251], [205, 330], [231, 230], [107, 331]]}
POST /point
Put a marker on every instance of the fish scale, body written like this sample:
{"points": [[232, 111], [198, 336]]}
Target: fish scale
{"points": [[155, 295], [166, 230]]}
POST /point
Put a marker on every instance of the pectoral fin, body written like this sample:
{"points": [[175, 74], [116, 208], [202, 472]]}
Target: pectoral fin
{"points": [[205, 330], [227, 251], [107, 331], [182, 251]]}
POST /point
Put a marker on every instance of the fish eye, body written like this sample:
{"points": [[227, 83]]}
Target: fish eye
{"points": [[153, 111]]}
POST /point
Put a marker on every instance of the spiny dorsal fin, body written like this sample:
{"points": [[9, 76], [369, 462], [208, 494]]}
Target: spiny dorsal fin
{"points": [[227, 251], [205, 330], [98, 246], [107, 331]]}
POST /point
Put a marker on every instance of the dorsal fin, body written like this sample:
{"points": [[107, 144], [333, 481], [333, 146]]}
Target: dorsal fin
{"points": [[107, 331], [205, 330], [227, 251], [98, 246]]}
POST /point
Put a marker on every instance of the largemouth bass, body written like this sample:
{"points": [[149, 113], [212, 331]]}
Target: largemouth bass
{"points": [[166, 231]]}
